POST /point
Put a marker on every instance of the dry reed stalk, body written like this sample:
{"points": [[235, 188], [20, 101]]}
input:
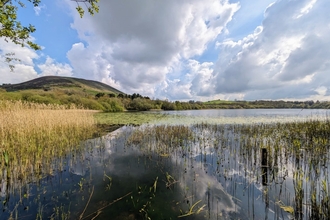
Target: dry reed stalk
{"points": [[33, 135]]}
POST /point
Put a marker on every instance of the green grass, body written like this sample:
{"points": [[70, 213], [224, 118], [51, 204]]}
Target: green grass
{"points": [[127, 118], [219, 102]]}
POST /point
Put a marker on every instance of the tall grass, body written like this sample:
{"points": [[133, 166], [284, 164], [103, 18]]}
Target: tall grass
{"points": [[294, 173], [33, 135]]}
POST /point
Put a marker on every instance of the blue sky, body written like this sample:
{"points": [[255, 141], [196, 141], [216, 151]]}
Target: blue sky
{"points": [[183, 50]]}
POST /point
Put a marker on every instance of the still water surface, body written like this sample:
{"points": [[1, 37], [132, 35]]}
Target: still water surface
{"points": [[239, 116], [206, 176]]}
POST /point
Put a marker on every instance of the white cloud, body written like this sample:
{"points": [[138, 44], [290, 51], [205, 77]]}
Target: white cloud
{"points": [[164, 49], [38, 9], [306, 9], [21, 73], [175, 90], [322, 90], [147, 50], [23, 69], [286, 59], [143, 42], [52, 68], [201, 74], [25, 54]]}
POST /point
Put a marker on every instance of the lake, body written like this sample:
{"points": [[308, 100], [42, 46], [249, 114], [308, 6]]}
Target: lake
{"points": [[239, 116], [201, 164]]}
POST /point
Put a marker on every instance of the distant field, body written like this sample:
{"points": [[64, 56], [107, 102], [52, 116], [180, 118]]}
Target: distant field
{"points": [[219, 102]]}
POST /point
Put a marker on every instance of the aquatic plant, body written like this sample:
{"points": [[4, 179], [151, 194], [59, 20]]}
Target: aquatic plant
{"points": [[203, 170], [34, 135], [268, 154]]}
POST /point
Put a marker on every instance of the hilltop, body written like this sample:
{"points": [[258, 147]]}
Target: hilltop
{"points": [[47, 83], [65, 91]]}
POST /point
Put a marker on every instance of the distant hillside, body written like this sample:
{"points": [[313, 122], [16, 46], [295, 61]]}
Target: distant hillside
{"points": [[99, 96], [51, 82]]}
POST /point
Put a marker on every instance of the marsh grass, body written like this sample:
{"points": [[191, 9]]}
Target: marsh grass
{"points": [[297, 157], [127, 118], [32, 136]]}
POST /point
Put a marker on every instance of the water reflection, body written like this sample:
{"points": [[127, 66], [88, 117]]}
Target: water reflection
{"points": [[240, 116], [200, 171]]}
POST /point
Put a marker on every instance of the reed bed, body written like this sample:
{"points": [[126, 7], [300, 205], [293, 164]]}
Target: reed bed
{"points": [[293, 172], [33, 136]]}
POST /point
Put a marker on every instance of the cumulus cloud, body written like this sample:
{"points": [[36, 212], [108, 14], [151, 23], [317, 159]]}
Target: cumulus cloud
{"points": [[51, 68], [25, 68], [162, 49], [155, 48], [142, 42], [286, 57]]}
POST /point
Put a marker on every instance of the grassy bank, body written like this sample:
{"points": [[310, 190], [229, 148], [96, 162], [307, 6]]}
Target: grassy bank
{"points": [[32, 136]]}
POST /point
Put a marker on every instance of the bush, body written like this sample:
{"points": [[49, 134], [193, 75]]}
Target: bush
{"points": [[91, 104], [168, 105], [140, 104], [113, 105]]}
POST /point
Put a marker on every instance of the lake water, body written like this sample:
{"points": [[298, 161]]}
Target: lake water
{"points": [[239, 116], [165, 170]]}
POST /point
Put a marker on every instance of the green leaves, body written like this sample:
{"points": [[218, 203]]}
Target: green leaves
{"points": [[11, 29], [91, 9], [35, 2], [80, 10]]}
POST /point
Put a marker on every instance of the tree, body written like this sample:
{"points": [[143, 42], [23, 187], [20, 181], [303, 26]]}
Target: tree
{"points": [[12, 30], [99, 95], [111, 95]]}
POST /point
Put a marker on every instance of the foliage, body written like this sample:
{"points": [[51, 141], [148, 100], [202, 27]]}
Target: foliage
{"points": [[110, 102], [12, 30], [92, 8], [266, 104], [140, 104]]}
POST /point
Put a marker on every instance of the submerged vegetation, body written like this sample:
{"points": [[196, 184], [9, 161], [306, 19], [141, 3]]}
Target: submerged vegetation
{"points": [[127, 118], [293, 175]]}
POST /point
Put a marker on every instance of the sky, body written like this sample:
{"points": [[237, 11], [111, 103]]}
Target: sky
{"points": [[183, 50]]}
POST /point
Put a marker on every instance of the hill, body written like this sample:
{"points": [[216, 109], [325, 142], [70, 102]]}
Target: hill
{"points": [[65, 91], [50, 82]]}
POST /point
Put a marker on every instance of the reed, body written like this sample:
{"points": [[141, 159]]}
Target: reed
{"points": [[33, 135], [271, 154]]}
